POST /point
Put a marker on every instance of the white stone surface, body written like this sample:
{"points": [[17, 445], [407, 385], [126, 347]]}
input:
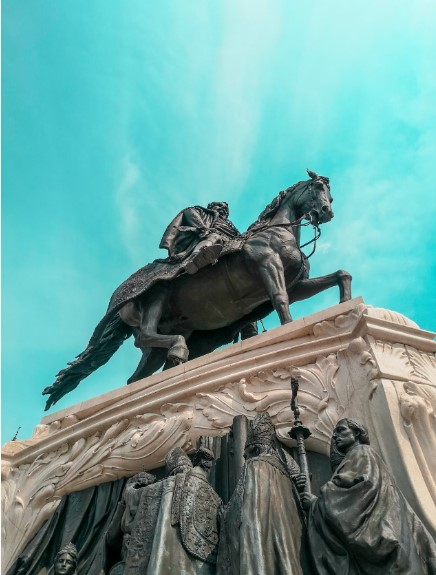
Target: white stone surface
{"points": [[352, 360]]}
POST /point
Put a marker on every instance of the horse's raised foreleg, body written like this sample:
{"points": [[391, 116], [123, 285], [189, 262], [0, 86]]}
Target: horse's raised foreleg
{"points": [[309, 287], [272, 275], [150, 310]]}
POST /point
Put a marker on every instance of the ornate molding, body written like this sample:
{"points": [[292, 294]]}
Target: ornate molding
{"points": [[336, 353], [32, 492], [321, 401], [340, 324], [423, 366], [392, 360], [359, 350], [418, 412], [403, 362], [389, 315]]}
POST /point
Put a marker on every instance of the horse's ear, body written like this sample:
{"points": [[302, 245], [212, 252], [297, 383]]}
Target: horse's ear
{"points": [[312, 174]]}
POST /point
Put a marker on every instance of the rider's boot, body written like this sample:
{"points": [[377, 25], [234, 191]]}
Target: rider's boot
{"points": [[206, 255]]}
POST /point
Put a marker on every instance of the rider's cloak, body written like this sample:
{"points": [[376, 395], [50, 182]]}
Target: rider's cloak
{"points": [[192, 225]]}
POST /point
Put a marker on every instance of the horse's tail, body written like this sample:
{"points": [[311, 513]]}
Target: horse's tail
{"points": [[108, 336]]}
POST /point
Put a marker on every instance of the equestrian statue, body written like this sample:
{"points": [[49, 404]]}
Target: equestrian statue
{"points": [[215, 283]]}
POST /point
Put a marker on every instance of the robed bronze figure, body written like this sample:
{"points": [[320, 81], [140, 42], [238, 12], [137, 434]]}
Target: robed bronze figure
{"points": [[174, 315], [262, 530], [361, 524], [175, 529], [124, 517]]}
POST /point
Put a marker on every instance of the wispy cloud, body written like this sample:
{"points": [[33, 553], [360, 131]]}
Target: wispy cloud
{"points": [[127, 202]]}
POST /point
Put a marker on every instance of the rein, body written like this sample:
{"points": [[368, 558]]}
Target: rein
{"points": [[316, 232], [297, 223]]}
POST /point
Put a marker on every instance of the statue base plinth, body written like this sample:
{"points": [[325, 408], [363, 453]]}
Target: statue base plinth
{"points": [[352, 360]]}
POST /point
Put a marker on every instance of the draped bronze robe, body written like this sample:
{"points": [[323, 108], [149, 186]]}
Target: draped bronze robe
{"points": [[262, 529], [362, 525], [191, 226], [165, 538]]}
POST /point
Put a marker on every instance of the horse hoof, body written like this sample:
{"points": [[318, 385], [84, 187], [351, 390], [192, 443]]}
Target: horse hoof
{"points": [[178, 353]]}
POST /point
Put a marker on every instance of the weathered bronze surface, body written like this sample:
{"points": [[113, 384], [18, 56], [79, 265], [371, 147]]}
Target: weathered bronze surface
{"points": [[127, 509], [174, 315], [175, 529], [361, 524], [199, 231], [84, 517], [262, 530]]}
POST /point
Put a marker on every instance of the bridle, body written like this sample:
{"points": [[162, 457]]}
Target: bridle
{"points": [[299, 223]]}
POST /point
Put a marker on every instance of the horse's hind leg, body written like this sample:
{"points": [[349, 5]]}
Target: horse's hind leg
{"points": [[151, 309], [152, 359], [309, 287]]}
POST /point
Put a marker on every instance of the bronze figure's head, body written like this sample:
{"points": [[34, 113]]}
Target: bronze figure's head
{"points": [[66, 560], [176, 461], [221, 207], [261, 437], [347, 433]]}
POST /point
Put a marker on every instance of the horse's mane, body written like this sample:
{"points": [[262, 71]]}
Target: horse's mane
{"points": [[271, 209]]}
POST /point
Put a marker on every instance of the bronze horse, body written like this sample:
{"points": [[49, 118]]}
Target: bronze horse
{"points": [[193, 315]]}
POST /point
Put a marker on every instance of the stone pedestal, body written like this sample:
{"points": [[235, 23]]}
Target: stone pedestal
{"points": [[352, 360]]}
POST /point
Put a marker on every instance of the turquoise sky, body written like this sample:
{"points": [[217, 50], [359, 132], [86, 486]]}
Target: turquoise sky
{"points": [[116, 115]]}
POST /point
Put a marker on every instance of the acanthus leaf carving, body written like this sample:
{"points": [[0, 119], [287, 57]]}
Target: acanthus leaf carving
{"points": [[31, 492], [340, 324], [418, 410], [423, 365], [359, 349], [392, 360], [265, 391], [320, 400]]}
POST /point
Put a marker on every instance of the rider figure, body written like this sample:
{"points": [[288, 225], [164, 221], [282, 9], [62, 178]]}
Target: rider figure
{"points": [[200, 234]]}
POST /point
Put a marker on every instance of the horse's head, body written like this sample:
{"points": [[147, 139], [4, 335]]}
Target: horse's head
{"points": [[315, 202], [309, 200]]}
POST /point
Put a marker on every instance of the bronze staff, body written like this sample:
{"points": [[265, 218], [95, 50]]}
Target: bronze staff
{"points": [[300, 433]]}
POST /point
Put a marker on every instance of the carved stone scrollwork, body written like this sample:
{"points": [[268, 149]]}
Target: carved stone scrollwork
{"points": [[423, 365], [418, 410], [352, 351], [265, 391], [393, 360], [321, 401], [358, 349], [340, 324], [32, 492], [43, 430]]}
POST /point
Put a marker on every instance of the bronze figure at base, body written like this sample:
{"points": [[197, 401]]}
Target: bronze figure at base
{"points": [[262, 531], [361, 524], [66, 561], [173, 528]]}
